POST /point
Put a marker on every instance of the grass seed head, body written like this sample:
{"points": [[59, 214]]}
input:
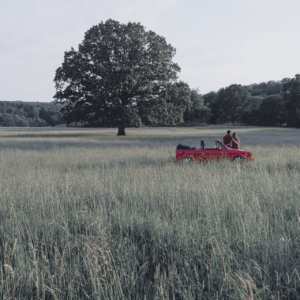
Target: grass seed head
{"points": [[249, 291], [223, 267]]}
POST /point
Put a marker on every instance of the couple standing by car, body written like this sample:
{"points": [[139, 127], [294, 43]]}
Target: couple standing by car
{"points": [[231, 141]]}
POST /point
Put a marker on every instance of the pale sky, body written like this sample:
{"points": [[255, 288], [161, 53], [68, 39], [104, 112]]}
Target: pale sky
{"points": [[218, 42]]}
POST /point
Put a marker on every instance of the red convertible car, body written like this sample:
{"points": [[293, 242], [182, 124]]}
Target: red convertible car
{"points": [[202, 154]]}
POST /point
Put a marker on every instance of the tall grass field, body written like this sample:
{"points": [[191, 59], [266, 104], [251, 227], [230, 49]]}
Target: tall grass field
{"points": [[85, 214]]}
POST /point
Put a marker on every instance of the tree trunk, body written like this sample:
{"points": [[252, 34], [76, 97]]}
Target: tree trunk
{"points": [[121, 131]]}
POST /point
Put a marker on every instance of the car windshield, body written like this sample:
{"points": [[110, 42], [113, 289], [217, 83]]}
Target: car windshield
{"points": [[218, 144]]}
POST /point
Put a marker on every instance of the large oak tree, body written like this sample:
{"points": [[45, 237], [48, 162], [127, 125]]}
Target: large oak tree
{"points": [[118, 70]]}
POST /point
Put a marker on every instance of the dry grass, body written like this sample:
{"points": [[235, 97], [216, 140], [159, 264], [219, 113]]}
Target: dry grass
{"points": [[86, 214]]}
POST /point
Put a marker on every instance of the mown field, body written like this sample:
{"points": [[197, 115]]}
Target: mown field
{"points": [[85, 214]]}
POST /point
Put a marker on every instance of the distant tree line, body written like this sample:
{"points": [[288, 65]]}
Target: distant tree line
{"points": [[30, 114], [272, 103], [177, 105]]}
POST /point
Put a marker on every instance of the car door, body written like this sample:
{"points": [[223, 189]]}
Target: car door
{"points": [[223, 152], [200, 155], [211, 154]]}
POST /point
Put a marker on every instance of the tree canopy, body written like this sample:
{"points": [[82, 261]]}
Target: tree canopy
{"points": [[197, 111], [291, 94], [118, 70], [271, 111], [29, 114], [228, 104]]}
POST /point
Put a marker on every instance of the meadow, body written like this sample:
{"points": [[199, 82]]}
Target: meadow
{"points": [[85, 214]]}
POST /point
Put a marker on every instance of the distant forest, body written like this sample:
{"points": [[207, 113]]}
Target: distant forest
{"points": [[30, 114], [272, 103]]}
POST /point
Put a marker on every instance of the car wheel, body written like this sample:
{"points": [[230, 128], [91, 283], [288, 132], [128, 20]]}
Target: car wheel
{"points": [[239, 159], [187, 160]]}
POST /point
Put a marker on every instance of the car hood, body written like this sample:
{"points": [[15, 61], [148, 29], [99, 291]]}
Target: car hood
{"points": [[240, 151]]}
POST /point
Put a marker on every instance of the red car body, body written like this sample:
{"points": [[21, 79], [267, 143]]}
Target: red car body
{"points": [[188, 154]]}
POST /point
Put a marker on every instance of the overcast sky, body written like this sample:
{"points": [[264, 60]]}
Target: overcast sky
{"points": [[218, 42]]}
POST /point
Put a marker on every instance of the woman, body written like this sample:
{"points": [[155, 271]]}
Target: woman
{"points": [[235, 141]]}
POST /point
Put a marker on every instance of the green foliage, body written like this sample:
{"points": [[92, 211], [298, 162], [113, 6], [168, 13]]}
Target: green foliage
{"points": [[264, 89], [197, 111], [8, 121], [271, 111], [251, 113], [29, 114], [209, 97], [229, 104], [169, 107], [291, 95], [117, 67]]}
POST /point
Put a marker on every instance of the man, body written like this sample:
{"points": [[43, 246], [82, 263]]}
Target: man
{"points": [[227, 139]]}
